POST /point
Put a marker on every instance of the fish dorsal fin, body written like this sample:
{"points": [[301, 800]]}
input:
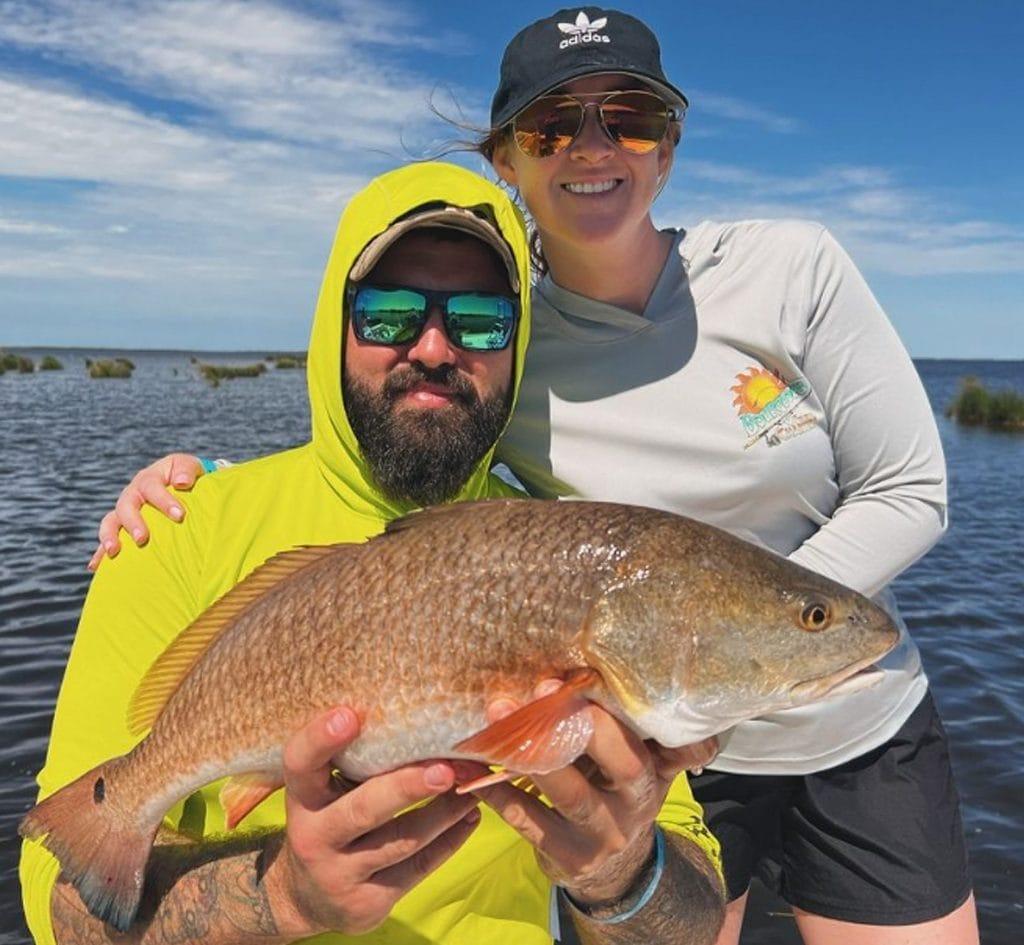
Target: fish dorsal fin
{"points": [[174, 664], [441, 513]]}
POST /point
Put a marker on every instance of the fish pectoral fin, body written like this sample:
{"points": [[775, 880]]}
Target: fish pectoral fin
{"points": [[488, 780], [541, 736], [497, 777], [240, 794]]}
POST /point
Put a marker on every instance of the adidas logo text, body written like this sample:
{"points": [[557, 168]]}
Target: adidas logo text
{"points": [[583, 31]]}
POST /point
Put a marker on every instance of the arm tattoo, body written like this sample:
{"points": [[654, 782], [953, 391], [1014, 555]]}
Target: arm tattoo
{"points": [[686, 909], [210, 892]]}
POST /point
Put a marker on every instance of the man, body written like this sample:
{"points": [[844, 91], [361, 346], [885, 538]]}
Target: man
{"points": [[412, 418]]}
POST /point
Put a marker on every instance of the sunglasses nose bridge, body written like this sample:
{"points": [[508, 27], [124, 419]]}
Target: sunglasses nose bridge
{"points": [[592, 127], [432, 345]]}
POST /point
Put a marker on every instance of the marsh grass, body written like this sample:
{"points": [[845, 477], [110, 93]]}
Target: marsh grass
{"points": [[213, 374], [15, 362], [116, 367], [975, 405], [50, 363]]}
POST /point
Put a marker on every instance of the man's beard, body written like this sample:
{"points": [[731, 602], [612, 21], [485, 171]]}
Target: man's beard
{"points": [[424, 455]]}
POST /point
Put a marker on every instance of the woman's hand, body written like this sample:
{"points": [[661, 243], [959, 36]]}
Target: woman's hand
{"points": [[148, 487], [599, 833], [347, 858]]}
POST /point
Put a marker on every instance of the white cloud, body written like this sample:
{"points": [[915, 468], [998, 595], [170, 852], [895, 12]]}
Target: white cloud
{"points": [[887, 226], [213, 144], [734, 109], [28, 228], [255, 67]]}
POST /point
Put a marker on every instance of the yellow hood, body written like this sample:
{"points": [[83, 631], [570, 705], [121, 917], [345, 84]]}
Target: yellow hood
{"points": [[385, 200]]}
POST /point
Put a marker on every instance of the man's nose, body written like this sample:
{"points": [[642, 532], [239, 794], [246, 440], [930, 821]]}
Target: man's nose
{"points": [[592, 143], [433, 348]]}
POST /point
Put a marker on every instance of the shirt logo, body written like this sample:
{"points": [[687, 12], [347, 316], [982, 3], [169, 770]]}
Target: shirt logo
{"points": [[763, 398], [583, 31]]}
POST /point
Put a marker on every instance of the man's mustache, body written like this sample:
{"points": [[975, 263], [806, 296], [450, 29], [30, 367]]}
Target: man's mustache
{"points": [[404, 379]]}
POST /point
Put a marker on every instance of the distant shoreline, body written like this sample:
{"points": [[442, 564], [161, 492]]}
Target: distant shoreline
{"points": [[260, 352]]}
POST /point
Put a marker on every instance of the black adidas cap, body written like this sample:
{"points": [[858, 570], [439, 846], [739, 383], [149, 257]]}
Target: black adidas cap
{"points": [[572, 43]]}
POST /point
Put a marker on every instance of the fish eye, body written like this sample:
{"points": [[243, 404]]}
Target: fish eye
{"points": [[816, 616]]}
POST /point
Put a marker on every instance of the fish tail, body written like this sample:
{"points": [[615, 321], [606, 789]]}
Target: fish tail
{"points": [[102, 848]]}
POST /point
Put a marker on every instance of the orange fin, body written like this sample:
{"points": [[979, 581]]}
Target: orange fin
{"points": [[173, 665], [495, 777], [102, 847], [541, 736], [242, 793]]}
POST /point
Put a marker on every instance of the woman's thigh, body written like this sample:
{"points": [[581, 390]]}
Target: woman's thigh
{"points": [[733, 924], [960, 927], [879, 840], [876, 842]]}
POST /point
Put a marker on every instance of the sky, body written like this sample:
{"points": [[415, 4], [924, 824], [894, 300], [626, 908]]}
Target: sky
{"points": [[172, 171]]}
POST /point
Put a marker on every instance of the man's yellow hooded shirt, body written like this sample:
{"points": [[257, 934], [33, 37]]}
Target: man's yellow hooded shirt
{"points": [[320, 493]]}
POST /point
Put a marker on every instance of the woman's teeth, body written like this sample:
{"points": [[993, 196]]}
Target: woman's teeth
{"points": [[598, 187]]}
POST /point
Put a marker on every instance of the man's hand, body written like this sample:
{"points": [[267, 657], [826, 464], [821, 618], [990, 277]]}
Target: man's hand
{"points": [[148, 487], [598, 835], [347, 858]]}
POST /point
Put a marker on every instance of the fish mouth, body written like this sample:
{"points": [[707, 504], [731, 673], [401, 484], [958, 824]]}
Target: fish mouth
{"points": [[858, 675]]}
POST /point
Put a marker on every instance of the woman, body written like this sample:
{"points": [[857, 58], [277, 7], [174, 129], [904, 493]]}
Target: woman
{"points": [[743, 374]]}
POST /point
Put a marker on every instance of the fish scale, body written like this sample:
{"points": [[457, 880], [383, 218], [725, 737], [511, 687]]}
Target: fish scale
{"points": [[677, 628]]}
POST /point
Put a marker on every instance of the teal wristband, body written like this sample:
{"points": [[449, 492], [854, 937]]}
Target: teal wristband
{"points": [[209, 465], [645, 896]]}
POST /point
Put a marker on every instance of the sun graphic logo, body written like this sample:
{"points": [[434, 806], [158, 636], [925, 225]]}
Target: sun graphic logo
{"points": [[763, 398], [583, 31], [756, 389]]}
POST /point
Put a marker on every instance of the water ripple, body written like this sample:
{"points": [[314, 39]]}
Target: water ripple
{"points": [[74, 441]]}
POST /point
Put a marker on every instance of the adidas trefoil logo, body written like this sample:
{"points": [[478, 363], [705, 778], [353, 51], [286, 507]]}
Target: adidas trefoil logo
{"points": [[583, 31]]}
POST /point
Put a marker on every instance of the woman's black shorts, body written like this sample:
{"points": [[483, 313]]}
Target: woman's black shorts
{"points": [[877, 840]]}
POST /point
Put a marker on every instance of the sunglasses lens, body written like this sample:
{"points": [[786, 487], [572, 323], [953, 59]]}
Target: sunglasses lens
{"points": [[388, 316], [547, 126], [480, 322], [635, 121]]}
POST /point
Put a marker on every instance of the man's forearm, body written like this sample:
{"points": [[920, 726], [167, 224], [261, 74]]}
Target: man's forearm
{"points": [[686, 908], [214, 892]]}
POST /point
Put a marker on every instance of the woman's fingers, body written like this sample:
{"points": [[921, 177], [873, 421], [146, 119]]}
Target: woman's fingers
{"points": [[184, 470], [152, 491], [97, 557], [127, 512], [109, 534]]}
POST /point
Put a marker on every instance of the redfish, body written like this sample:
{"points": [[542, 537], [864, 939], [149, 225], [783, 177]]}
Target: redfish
{"points": [[677, 628]]}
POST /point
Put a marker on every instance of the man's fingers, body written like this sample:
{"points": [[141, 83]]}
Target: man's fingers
{"points": [[127, 512], [403, 876], [404, 836], [535, 822], [498, 708], [375, 802], [308, 753], [670, 762], [623, 759]]}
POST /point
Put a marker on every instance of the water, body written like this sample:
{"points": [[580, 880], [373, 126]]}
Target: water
{"points": [[69, 443]]}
